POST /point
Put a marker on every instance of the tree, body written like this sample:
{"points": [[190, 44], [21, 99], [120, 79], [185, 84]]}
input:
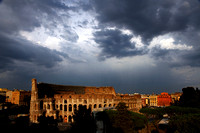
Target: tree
{"points": [[139, 120], [107, 118], [187, 123], [190, 97], [155, 114], [47, 124], [123, 122], [83, 121]]}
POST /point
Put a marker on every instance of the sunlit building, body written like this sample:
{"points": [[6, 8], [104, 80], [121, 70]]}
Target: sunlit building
{"points": [[176, 96], [164, 99], [153, 100], [133, 101], [60, 101], [145, 100]]}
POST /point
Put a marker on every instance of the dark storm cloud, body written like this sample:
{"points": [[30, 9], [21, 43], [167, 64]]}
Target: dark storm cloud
{"points": [[149, 19], [176, 57], [115, 44], [190, 58], [22, 50], [25, 15]]}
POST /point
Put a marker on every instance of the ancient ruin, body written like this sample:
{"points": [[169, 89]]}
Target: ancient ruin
{"points": [[60, 101]]}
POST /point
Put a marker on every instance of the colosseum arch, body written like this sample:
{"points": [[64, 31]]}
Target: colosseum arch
{"points": [[75, 107], [65, 118], [70, 118], [70, 107], [65, 107], [65, 101], [41, 104], [60, 106]]}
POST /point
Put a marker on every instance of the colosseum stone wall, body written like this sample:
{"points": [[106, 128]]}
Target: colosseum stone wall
{"points": [[60, 101]]}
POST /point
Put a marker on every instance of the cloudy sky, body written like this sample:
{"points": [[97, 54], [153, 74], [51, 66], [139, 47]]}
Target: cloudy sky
{"points": [[142, 46]]}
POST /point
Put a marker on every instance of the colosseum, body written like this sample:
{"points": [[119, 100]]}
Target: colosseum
{"points": [[60, 101]]}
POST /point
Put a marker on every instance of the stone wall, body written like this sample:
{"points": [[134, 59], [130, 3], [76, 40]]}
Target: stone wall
{"points": [[63, 103]]}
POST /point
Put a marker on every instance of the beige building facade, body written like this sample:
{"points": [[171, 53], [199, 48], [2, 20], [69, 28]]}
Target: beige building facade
{"points": [[153, 101]]}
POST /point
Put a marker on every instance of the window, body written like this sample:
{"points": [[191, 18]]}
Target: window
{"points": [[60, 118], [70, 118], [95, 106], [41, 104], [79, 105], [70, 107], [75, 107], [65, 107], [65, 101], [53, 104], [100, 106], [65, 118], [60, 106]]}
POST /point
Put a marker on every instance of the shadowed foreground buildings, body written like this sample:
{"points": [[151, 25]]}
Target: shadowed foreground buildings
{"points": [[18, 97], [60, 101]]}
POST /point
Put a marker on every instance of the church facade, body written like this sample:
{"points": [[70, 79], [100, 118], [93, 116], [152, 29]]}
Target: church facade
{"points": [[60, 101]]}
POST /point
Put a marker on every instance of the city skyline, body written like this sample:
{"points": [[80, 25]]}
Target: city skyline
{"points": [[134, 46]]}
